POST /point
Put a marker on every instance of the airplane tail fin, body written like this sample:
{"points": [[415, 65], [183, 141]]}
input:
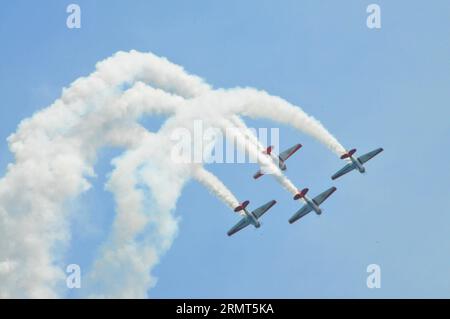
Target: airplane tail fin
{"points": [[349, 154], [269, 150], [301, 193], [242, 206], [257, 175]]}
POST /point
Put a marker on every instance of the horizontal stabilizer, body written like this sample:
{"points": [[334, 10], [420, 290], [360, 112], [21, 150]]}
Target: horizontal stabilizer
{"points": [[301, 194], [349, 154], [242, 206]]}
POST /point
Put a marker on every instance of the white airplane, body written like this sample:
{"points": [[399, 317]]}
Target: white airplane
{"points": [[356, 163], [281, 159], [250, 218], [310, 204]]}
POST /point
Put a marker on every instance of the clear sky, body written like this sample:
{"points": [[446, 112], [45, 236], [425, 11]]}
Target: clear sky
{"points": [[387, 87]]}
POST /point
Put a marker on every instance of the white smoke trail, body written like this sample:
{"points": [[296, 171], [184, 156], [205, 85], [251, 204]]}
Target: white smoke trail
{"points": [[266, 163], [240, 124], [211, 182], [259, 104], [55, 151], [145, 194]]}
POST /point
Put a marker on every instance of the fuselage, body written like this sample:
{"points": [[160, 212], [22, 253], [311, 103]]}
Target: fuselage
{"points": [[313, 205], [358, 164], [281, 164], [252, 218]]}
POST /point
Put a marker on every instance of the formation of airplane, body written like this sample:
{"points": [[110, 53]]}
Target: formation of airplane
{"points": [[310, 204]]}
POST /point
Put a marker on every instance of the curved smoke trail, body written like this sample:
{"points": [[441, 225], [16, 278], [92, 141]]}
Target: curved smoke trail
{"points": [[55, 151]]}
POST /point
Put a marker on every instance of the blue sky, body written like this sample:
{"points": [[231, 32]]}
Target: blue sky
{"points": [[371, 88]]}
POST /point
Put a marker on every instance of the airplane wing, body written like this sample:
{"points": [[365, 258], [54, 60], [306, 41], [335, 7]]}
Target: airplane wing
{"points": [[258, 174], [301, 212], [319, 199], [364, 158], [289, 152], [264, 208], [244, 222], [347, 168]]}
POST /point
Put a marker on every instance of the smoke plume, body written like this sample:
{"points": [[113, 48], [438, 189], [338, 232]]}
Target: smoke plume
{"points": [[55, 151]]}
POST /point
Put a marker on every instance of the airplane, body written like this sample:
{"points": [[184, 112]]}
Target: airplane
{"points": [[281, 158], [250, 218], [356, 163], [311, 204]]}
